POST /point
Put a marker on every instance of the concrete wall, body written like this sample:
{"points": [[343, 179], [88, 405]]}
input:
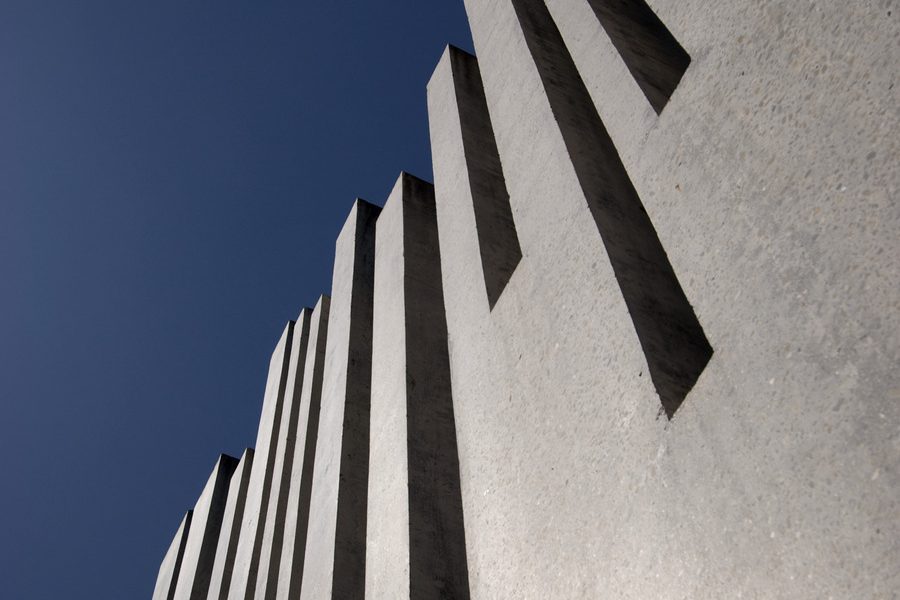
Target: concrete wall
{"points": [[639, 341], [763, 179]]}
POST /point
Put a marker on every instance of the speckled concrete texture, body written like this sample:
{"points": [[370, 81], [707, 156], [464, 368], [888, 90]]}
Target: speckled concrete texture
{"points": [[670, 288], [770, 178]]}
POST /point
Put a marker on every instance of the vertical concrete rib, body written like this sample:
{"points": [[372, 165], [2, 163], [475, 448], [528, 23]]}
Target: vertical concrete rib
{"points": [[335, 558], [243, 583], [673, 341], [206, 523], [169, 570], [230, 533], [290, 572], [273, 536], [497, 239], [416, 539]]}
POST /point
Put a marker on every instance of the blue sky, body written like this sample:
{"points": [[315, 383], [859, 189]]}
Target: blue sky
{"points": [[172, 178]]}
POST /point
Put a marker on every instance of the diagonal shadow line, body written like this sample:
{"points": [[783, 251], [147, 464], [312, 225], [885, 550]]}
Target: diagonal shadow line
{"points": [[672, 339], [652, 54]]}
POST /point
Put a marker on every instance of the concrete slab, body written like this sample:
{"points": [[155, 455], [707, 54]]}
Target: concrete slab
{"points": [[232, 519], [289, 574], [334, 564], [243, 582], [203, 539], [273, 535], [415, 541], [169, 569]]}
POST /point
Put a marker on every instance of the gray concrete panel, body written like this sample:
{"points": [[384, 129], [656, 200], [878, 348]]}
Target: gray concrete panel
{"points": [[206, 523], [273, 535], [289, 573], [415, 542], [170, 568], [232, 519], [769, 180], [334, 564], [243, 582]]}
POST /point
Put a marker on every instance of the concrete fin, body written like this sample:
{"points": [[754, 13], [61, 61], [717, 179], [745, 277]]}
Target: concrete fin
{"points": [[229, 535], [273, 536], [243, 583], [290, 573], [206, 523], [652, 54], [170, 569], [497, 239], [672, 339], [416, 538], [334, 563]]}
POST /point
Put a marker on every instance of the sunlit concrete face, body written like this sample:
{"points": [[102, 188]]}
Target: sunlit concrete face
{"points": [[764, 179], [638, 341], [415, 546], [230, 532], [170, 569], [206, 523]]}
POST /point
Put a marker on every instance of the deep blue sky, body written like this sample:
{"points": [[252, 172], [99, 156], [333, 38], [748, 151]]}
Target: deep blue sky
{"points": [[173, 175]]}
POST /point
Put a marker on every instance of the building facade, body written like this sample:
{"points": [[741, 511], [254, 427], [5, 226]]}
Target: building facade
{"points": [[639, 339]]}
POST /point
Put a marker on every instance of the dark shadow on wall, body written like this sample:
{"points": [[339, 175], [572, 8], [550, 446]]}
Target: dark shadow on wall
{"points": [[672, 339], [497, 239], [225, 468], [309, 453], [349, 574], [188, 517], [652, 54], [269, 465], [290, 442], [437, 543], [236, 522]]}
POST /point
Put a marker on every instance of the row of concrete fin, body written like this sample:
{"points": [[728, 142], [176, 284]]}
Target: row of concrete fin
{"points": [[292, 515], [356, 454], [521, 343]]}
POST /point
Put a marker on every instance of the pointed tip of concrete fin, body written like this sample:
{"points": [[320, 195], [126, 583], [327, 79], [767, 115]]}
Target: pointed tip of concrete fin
{"points": [[405, 175]]}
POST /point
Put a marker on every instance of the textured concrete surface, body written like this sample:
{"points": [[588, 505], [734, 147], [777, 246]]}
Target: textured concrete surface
{"points": [[668, 251], [769, 177], [273, 535], [230, 532], [167, 578], [489, 200], [243, 581], [415, 540], [334, 563], [203, 539], [299, 466]]}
